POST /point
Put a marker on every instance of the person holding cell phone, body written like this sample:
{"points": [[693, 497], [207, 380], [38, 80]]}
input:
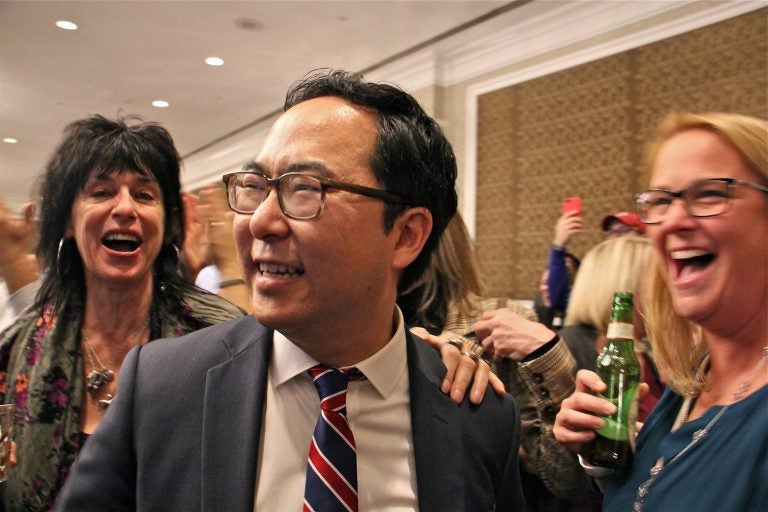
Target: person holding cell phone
{"points": [[556, 280], [562, 265]]}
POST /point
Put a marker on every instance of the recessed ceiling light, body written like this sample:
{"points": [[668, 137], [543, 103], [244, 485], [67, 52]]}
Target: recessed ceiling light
{"points": [[249, 24], [160, 103], [66, 25], [214, 61], [10, 140]]}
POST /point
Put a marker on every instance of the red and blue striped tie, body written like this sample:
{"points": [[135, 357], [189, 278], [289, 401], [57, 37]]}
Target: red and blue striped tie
{"points": [[332, 469]]}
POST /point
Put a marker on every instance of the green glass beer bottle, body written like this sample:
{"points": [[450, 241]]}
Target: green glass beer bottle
{"points": [[618, 367]]}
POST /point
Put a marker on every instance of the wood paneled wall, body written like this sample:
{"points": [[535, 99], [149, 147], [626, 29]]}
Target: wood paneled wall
{"points": [[581, 131]]}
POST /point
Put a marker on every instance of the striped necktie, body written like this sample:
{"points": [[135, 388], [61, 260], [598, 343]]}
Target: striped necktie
{"points": [[331, 483]]}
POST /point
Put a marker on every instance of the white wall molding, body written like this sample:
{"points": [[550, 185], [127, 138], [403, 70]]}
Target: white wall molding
{"points": [[417, 71], [628, 41]]}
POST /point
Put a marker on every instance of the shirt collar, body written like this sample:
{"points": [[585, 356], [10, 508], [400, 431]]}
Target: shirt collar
{"points": [[383, 369]]}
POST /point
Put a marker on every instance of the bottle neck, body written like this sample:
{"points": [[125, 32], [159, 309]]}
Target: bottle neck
{"points": [[620, 338], [620, 330]]}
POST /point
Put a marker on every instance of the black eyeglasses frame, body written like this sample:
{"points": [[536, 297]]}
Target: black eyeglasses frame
{"points": [[681, 194], [325, 184]]}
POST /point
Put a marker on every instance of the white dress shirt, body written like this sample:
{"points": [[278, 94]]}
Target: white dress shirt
{"points": [[379, 415]]}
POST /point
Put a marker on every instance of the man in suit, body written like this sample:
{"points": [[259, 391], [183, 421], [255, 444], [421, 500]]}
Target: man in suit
{"points": [[341, 209]]}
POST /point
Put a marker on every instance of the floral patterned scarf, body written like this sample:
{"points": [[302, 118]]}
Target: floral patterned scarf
{"points": [[41, 373]]}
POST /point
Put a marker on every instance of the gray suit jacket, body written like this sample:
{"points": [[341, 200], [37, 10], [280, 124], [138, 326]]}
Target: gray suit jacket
{"points": [[183, 434]]}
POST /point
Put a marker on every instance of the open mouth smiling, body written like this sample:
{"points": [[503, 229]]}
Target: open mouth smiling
{"points": [[690, 261], [121, 242], [279, 271]]}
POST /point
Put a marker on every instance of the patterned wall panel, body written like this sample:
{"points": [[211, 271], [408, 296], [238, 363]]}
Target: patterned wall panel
{"points": [[581, 132]]}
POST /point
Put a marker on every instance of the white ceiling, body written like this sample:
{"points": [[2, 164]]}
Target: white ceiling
{"points": [[126, 54]]}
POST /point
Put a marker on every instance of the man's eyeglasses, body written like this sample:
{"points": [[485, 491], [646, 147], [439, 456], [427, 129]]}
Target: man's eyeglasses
{"points": [[301, 196], [702, 198]]}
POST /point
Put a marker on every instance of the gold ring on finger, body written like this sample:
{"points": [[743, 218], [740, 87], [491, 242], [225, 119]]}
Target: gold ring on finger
{"points": [[474, 347], [471, 355], [456, 342]]}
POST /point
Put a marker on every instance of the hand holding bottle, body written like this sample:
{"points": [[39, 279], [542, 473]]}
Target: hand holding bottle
{"points": [[582, 413]]}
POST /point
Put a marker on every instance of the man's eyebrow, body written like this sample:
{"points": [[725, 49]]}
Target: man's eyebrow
{"points": [[317, 167], [254, 167]]}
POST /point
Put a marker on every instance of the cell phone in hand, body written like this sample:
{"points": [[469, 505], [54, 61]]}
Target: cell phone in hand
{"points": [[572, 204]]}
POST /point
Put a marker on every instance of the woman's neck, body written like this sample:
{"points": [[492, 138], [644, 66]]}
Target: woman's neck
{"points": [[116, 313], [736, 369]]}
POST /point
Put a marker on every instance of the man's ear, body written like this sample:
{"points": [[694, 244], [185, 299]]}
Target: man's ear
{"points": [[411, 229]]}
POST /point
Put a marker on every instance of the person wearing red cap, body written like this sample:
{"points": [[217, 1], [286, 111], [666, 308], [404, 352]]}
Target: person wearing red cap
{"points": [[562, 264], [622, 223]]}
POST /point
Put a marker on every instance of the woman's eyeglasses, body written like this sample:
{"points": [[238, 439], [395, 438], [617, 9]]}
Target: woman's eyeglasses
{"points": [[702, 198]]}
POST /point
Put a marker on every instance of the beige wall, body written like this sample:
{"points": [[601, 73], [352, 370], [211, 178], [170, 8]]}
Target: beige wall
{"points": [[580, 131]]}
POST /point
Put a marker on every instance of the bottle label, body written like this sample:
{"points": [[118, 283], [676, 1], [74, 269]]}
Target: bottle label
{"points": [[620, 331]]}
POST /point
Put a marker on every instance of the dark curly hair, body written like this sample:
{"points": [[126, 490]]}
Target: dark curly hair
{"points": [[412, 157], [97, 146]]}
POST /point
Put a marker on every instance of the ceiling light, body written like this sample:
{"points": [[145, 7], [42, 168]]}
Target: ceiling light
{"points": [[10, 140], [160, 103], [66, 25], [214, 61], [249, 24]]}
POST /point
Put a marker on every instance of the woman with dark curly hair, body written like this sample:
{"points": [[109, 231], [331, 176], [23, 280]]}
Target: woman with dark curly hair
{"points": [[111, 225]]}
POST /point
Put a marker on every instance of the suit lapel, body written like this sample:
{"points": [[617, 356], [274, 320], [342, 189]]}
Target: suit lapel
{"points": [[232, 419], [436, 432]]}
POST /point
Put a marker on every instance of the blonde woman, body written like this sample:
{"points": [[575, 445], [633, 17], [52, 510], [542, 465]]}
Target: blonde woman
{"points": [[704, 446], [618, 264]]}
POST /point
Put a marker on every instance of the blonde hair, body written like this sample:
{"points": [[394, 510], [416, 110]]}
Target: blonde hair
{"points": [[676, 342], [452, 282], [615, 265], [747, 135]]}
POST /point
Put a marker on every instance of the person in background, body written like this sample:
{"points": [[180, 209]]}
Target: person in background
{"points": [[542, 304], [703, 446], [563, 266], [342, 208], [560, 267], [211, 250], [111, 218], [450, 305], [622, 224], [614, 265], [18, 266], [443, 305]]}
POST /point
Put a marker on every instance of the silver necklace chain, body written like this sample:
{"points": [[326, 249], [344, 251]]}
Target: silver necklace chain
{"points": [[100, 375], [698, 436]]}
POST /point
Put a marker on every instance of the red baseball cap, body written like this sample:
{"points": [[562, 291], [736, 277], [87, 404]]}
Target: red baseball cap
{"points": [[627, 218]]}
